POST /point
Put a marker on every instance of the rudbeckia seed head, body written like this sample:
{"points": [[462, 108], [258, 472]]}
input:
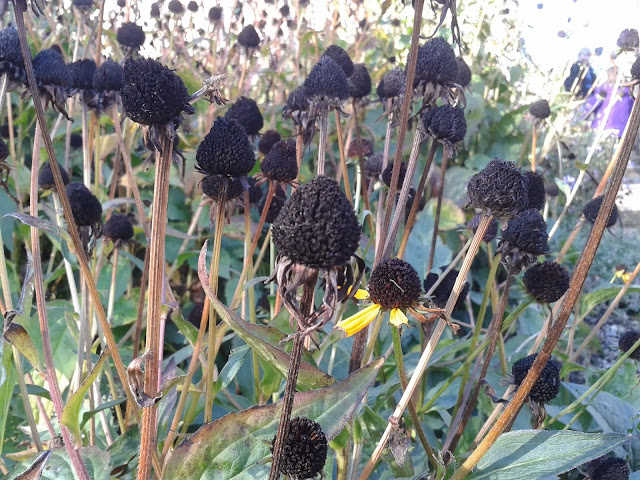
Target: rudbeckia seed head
{"points": [[592, 209], [81, 74], [305, 450], [248, 37], [445, 123], [627, 341], [246, 111], [540, 109], [524, 239], [217, 186], [175, 6], [392, 84], [49, 68], [254, 191], [492, 229], [85, 207], [546, 281], [280, 164], [45, 177], [360, 147], [83, 4], [535, 190], [548, 384], [297, 100], [130, 35], [464, 73], [226, 150], [277, 202], [155, 10], [436, 62], [75, 141], [608, 468], [195, 315], [635, 69], [373, 166], [499, 188], [4, 150], [193, 6], [342, 58], [215, 14], [317, 227], [394, 283], [108, 77], [443, 291], [10, 49], [628, 39], [118, 227], [151, 93], [268, 140], [327, 81], [388, 174], [360, 81], [552, 189]]}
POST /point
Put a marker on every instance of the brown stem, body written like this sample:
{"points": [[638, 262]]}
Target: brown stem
{"points": [[533, 148], [323, 121], [343, 159], [436, 221]]}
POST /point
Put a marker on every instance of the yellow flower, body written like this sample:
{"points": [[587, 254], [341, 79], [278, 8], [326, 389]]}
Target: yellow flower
{"points": [[364, 317]]}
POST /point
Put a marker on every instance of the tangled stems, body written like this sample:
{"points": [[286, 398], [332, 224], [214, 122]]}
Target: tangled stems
{"points": [[575, 287]]}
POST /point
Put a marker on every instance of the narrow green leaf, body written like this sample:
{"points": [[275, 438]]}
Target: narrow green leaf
{"points": [[6, 390], [86, 416], [44, 225], [17, 336], [237, 445], [59, 466], [527, 454], [593, 299]]}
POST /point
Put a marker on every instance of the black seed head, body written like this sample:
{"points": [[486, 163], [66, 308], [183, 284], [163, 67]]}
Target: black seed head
{"points": [[373, 166], [608, 468], [305, 450], [280, 164], [540, 109], [75, 141], [45, 177], [217, 186], [627, 341], [492, 229], [527, 232], [464, 73], [175, 6], [226, 150], [248, 37], [284, 10], [392, 84], [548, 384], [193, 6], [49, 68], [499, 188], [4, 131], [297, 100], [4, 150], [155, 10], [317, 226], [121, 3], [411, 197], [592, 209], [108, 77], [254, 191], [277, 202], [10, 47], [81, 74], [342, 58], [83, 4], [628, 39], [546, 281], [360, 147], [268, 140], [535, 190], [635, 69], [130, 35], [436, 62], [118, 227], [246, 111], [327, 80], [387, 175], [85, 207], [215, 14], [195, 315], [151, 93], [360, 81], [552, 189], [394, 283], [445, 123], [442, 292]]}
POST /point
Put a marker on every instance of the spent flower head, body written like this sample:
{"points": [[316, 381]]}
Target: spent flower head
{"points": [[524, 239], [547, 386], [499, 189], [305, 450], [547, 282]]}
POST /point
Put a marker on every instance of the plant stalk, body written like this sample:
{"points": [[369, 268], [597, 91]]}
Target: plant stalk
{"points": [[436, 221]]}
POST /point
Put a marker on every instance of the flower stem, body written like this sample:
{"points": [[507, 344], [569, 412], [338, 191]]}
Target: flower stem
{"points": [[436, 221], [533, 147], [343, 159], [323, 120]]}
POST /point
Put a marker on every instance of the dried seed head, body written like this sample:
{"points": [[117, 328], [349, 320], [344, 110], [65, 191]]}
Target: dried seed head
{"points": [[277, 202], [85, 207], [305, 450], [551, 189], [443, 291], [548, 384], [492, 229], [49, 68], [535, 190], [246, 111], [175, 6], [254, 191], [592, 209], [635, 69], [627, 341], [151, 93], [609, 468], [392, 84], [118, 227], [130, 35], [317, 227], [436, 62], [373, 166], [10, 49], [387, 175], [280, 164], [360, 147], [75, 141], [464, 73], [248, 37], [445, 123], [219, 187], [540, 109], [360, 81], [193, 6], [499, 188], [215, 14], [524, 239], [226, 150], [45, 177], [628, 39], [268, 140], [108, 77], [297, 100], [411, 197], [195, 315], [155, 10], [327, 81], [81, 74], [4, 151], [546, 281], [284, 10], [83, 4], [342, 58], [394, 283]]}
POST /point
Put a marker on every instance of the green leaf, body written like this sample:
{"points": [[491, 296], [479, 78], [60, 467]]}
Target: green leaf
{"points": [[59, 465], [71, 411], [124, 452], [592, 299], [526, 454], [237, 445], [38, 391], [451, 216], [86, 416], [6, 389], [17, 336], [44, 225]]}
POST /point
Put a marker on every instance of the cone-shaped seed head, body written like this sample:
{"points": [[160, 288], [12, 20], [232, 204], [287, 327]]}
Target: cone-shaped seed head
{"points": [[75, 141], [85, 207], [392, 84], [327, 80], [464, 73], [442, 292], [49, 68], [108, 77], [155, 10], [436, 62], [342, 58], [175, 6], [360, 147], [246, 111], [387, 175], [492, 229], [193, 6], [628, 39], [373, 166], [280, 164], [592, 209], [81, 74], [499, 188], [226, 150], [317, 226], [248, 37], [627, 341], [610, 468], [268, 140], [445, 123], [305, 450], [535, 190], [528, 233], [214, 186], [45, 177], [10, 47], [546, 281], [151, 93], [297, 100], [394, 283], [215, 14], [130, 35], [540, 109], [360, 81], [548, 384], [118, 227], [551, 189]]}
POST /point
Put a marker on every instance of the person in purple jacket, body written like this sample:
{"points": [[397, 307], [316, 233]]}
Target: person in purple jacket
{"points": [[620, 110]]}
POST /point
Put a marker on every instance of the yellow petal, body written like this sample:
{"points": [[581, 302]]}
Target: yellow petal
{"points": [[397, 317], [361, 294], [357, 322]]}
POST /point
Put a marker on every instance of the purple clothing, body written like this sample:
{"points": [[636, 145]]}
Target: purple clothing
{"points": [[620, 110]]}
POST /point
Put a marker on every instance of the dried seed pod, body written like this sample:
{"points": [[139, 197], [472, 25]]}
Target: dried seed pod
{"points": [[81, 75], [108, 77], [627, 341], [327, 81], [546, 281], [392, 84], [215, 14], [342, 58], [524, 239], [86, 208], [119, 228], [175, 6], [394, 283], [464, 73], [248, 37], [492, 229], [155, 10], [297, 100], [628, 39], [373, 166], [441, 294], [130, 35], [445, 124], [246, 111], [535, 190], [75, 141], [360, 81], [280, 164], [547, 386], [436, 62], [305, 450], [45, 177], [219, 187], [49, 69], [609, 468], [193, 6], [592, 209], [499, 188], [540, 109], [268, 140], [317, 226], [225, 150], [387, 175], [11, 61], [551, 189], [360, 147]]}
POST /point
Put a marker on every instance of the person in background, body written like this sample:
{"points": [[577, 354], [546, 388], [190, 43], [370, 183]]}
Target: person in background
{"points": [[620, 109], [581, 76]]}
